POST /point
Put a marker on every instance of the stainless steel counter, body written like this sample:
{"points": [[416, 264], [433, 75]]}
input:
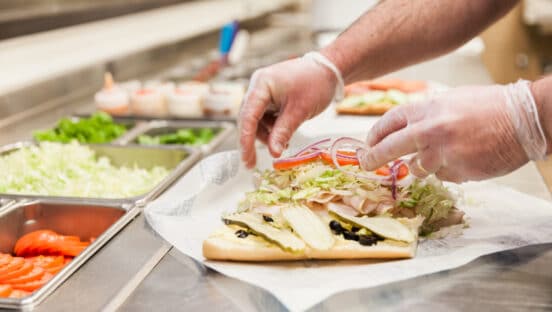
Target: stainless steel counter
{"points": [[138, 271]]}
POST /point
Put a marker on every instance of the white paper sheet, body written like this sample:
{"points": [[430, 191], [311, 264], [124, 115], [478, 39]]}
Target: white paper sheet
{"points": [[500, 219]]}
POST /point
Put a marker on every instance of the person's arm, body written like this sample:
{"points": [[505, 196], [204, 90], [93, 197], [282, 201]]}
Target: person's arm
{"points": [[397, 33], [394, 34]]}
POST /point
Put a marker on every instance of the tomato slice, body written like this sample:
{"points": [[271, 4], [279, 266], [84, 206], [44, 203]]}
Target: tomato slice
{"points": [[33, 243], [23, 270], [5, 291], [46, 262], [357, 88], [55, 270], [18, 294], [386, 171], [410, 86], [35, 274], [284, 164], [5, 259], [403, 171], [342, 161], [47, 242], [34, 285], [15, 264], [383, 171], [72, 249], [407, 86]]}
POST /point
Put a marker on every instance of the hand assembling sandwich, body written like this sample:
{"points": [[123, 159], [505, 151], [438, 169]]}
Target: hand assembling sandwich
{"points": [[320, 204]]}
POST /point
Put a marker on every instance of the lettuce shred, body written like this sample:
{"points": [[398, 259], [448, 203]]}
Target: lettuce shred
{"points": [[302, 183], [428, 198], [72, 170]]}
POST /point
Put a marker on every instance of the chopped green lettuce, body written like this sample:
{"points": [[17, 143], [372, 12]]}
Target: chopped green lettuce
{"points": [[182, 136], [303, 182], [99, 128], [430, 199]]}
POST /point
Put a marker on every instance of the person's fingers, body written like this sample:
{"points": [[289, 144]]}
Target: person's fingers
{"points": [[446, 174], [268, 121], [263, 132], [392, 121], [254, 106], [424, 163], [286, 124], [393, 146]]}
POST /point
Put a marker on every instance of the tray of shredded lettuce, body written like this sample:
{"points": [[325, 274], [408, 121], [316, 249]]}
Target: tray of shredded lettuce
{"points": [[72, 170]]}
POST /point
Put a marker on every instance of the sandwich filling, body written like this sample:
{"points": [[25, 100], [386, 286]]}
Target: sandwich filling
{"points": [[324, 200]]}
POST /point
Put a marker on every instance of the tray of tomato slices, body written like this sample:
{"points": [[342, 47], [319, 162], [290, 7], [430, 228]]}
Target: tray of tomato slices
{"points": [[43, 242]]}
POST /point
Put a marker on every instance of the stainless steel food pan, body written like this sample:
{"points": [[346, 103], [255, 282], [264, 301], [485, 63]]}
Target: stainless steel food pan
{"points": [[176, 160], [159, 127], [86, 220]]}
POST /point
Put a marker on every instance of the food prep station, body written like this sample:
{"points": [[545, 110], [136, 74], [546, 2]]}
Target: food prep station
{"points": [[129, 268]]}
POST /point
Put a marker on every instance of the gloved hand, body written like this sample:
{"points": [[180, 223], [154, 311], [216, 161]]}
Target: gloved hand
{"points": [[281, 97], [468, 133]]}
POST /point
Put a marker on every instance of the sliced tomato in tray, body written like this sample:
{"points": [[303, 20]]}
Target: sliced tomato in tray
{"points": [[34, 285], [5, 291], [35, 274], [15, 273], [18, 294], [46, 262], [45, 242], [13, 265]]}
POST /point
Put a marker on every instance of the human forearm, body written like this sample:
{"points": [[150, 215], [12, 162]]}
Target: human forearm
{"points": [[542, 93], [398, 33]]}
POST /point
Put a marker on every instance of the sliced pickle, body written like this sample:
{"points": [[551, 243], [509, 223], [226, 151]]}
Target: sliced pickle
{"points": [[254, 221], [308, 226], [382, 226]]}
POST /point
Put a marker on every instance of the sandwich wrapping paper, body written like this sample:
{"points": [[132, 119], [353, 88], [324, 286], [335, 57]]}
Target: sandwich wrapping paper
{"points": [[499, 219]]}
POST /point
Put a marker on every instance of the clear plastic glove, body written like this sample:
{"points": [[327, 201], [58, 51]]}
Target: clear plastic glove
{"points": [[468, 133], [281, 97]]}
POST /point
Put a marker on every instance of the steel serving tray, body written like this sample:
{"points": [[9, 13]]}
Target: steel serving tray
{"points": [[158, 127], [87, 219], [176, 160]]}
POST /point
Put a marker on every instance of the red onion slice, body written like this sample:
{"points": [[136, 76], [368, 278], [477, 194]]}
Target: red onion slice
{"points": [[312, 146], [394, 172], [357, 145]]}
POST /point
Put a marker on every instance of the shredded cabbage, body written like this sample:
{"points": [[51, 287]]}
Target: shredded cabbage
{"points": [[303, 182], [427, 198], [72, 170], [430, 199]]}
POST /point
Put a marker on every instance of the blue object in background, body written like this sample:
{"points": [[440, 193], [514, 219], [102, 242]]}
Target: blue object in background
{"points": [[227, 35]]}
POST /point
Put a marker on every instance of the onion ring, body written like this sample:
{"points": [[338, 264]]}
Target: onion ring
{"points": [[297, 158], [359, 145], [311, 146]]}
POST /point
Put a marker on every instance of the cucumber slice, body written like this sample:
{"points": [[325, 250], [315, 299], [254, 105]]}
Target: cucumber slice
{"points": [[397, 97], [353, 101], [308, 226], [254, 221], [382, 226], [373, 97]]}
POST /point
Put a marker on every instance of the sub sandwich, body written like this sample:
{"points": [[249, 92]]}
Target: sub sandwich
{"points": [[375, 97], [320, 204]]}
